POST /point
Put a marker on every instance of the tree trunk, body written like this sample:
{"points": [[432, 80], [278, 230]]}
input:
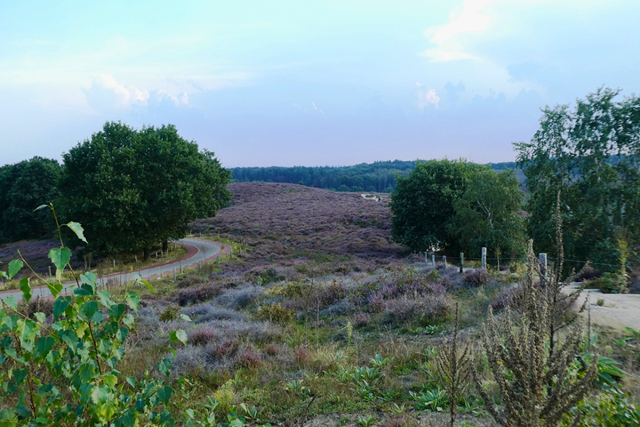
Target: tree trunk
{"points": [[147, 253]]}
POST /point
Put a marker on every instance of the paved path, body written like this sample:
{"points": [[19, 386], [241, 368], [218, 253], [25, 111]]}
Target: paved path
{"points": [[197, 251]]}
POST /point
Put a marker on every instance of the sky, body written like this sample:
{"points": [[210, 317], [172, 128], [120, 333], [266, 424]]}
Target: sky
{"points": [[264, 83]]}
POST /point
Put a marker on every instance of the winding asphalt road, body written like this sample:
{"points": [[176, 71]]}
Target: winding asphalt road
{"points": [[197, 251]]}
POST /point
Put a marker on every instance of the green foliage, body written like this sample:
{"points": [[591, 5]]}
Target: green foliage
{"points": [[613, 408], [486, 215], [132, 189], [370, 177], [423, 203], [609, 283], [591, 154], [23, 186], [64, 370], [275, 313]]}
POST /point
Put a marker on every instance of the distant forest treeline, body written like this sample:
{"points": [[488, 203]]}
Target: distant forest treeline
{"points": [[370, 177]]}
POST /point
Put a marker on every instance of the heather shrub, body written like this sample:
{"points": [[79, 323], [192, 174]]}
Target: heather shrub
{"points": [[240, 297], [222, 349], [204, 313], [248, 357], [426, 309], [201, 293], [341, 308], [475, 278], [202, 336], [329, 294], [361, 320], [169, 313], [301, 356], [189, 281], [271, 350], [275, 313]]}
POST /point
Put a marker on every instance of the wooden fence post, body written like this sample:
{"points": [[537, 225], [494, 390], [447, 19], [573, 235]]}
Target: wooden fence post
{"points": [[433, 260], [444, 261], [461, 262], [543, 264], [484, 258]]}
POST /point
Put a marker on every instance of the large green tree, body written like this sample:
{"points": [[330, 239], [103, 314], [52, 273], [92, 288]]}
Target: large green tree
{"points": [[487, 215], [590, 154], [132, 189], [423, 203], [23, 187]]}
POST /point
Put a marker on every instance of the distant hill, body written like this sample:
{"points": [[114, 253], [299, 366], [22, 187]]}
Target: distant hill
{"points": [[370, 177]]}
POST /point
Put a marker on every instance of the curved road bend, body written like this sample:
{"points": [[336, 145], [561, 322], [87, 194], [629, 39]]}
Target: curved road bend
{"points": [[197, 251]]}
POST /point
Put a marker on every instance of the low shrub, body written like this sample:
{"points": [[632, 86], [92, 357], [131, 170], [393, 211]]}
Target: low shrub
{"points": [[609, 283], [248, 357], [202, 336], [189, 281], [200, 293], [428, 309], [361, 320], [271, 350], [240, 297], [587, 273], [275, 313], [475, 278], [169, 313]]}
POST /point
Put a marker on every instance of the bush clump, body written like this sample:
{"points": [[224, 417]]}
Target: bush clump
{"points": [[275, 313], [475, 278]]}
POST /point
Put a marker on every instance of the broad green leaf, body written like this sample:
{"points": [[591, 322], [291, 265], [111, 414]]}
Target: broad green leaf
{"points": [[41, 317], [185, 317], [164, 394], [27, 333], [44, 345], [105, 299], [133, 300], [148, 285], [60, 305], [110, 380], [84, 291], [60, 257], [25, 287], [89, 278], [14, 267], [11, 302], [77, 228], [164, 366], [178, 336], [88, 309], [40, 207], [19, 375], [4, 275], [100, 394], [55, 288], [117, 311]]}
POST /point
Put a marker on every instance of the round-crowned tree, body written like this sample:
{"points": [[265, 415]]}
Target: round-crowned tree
{"points": [[423, 203], [132, 189]]}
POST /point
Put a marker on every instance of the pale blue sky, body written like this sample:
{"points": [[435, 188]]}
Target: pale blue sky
{"points": [[306, 82]]}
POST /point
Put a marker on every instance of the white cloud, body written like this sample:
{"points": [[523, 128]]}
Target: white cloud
{"points": [[447, 38], [118, 95], [315, 108], [106, 94], [427, 97]]}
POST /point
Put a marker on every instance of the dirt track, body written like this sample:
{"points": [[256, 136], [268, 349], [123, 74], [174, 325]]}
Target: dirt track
{"points": [[617, 312]]}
